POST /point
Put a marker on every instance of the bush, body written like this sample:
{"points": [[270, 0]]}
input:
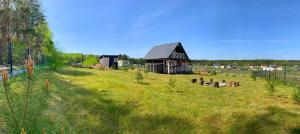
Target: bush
{"points": [[139, 76], [296, 95], [253, 77], [214, 73], [270, 86], [90, 60], [114, 66], [126, 69], [146, 72], [24, 108]]}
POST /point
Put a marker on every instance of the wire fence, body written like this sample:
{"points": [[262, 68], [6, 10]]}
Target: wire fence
{"points": [[286, 75]]}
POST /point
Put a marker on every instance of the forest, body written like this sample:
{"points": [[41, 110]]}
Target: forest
{"points": [[24, 31]]}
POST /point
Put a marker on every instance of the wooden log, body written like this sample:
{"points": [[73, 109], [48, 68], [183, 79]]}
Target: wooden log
{"points": [[194, 80], [236, 84], [202, 82], [231, 84], [216, 85]]}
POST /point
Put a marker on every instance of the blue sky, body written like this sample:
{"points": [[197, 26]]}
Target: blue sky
{"points": [[208, 29]]}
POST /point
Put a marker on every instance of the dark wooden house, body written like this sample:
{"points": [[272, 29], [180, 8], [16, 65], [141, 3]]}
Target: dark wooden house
{"points": [[169, 59], [109, 61]]}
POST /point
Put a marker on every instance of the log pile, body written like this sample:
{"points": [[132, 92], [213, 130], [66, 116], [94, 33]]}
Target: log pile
{"points": [[217, 84]]}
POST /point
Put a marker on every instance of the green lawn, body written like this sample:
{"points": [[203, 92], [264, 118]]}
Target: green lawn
{"points": [[111, 101]]}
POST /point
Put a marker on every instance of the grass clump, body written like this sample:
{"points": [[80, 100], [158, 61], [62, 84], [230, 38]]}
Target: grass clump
{"points": [[253, 76], [296, 95], [171, 83], [139, 76], [23, 108], [270, 86]]}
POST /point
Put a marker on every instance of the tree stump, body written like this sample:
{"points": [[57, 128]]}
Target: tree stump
{"points": [[216, 85], [202, 82], [236, 84], [194, 80]]}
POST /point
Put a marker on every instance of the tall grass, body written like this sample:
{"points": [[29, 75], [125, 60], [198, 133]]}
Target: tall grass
{"points": [[24, 104]]}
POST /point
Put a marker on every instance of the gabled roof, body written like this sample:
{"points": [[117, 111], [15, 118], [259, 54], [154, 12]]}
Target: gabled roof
{"points": [[112, 56], [162, 51]]}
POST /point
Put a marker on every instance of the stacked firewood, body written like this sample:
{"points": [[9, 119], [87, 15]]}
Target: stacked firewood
{"points": [[217, 84]]}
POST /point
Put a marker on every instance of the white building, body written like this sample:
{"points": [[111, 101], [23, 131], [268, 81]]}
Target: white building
{"points": [[123, 63]]}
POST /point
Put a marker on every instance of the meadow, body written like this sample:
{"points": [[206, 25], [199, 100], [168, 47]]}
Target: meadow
{"points": [[112, 101]]}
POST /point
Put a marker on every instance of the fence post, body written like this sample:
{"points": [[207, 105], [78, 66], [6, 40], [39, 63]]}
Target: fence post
{"points": [[10, 56], [269, 74], [275, 72], [265, 74], [285, 74]]}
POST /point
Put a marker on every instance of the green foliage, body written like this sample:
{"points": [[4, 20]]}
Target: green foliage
{"points": [[296, 95], [132, 67], [214, 72], [114, 66], [90, 60], [55, 60], [139, 61], [146, 72], [253, 76], [73, 58], [139, 76], [124, 103], [24, 107], [126, 69], [270, 86], [123, 57]]}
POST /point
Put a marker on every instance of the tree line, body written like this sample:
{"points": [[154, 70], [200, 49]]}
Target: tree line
{"points": [[90, 59], [248, 62], [23, 27]]}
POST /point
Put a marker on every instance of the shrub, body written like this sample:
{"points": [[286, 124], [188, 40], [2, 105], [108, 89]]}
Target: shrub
{"points": [[114, 66], [172, 82], [296, 95], [90, 60], [126, 69], [139, 76], [270, 86], [253, 77], [214, 73], [23, 110], [146, 72]]}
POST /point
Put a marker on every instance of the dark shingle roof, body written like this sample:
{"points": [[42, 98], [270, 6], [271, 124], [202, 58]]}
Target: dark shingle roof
{"points": [[113, 56], [161, 51]]}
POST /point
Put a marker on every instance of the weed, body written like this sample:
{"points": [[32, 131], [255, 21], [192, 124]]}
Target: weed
{"points": [[139, 76], [270, 86]]}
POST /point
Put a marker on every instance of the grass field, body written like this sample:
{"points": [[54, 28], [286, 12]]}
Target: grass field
{"points": [[111, 101]]}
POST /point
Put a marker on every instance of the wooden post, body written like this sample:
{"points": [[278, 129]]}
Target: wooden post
{"points": [[216, 84], [285, 74], [168, 66], [275, 72], [269, 74], [202, 82]]}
